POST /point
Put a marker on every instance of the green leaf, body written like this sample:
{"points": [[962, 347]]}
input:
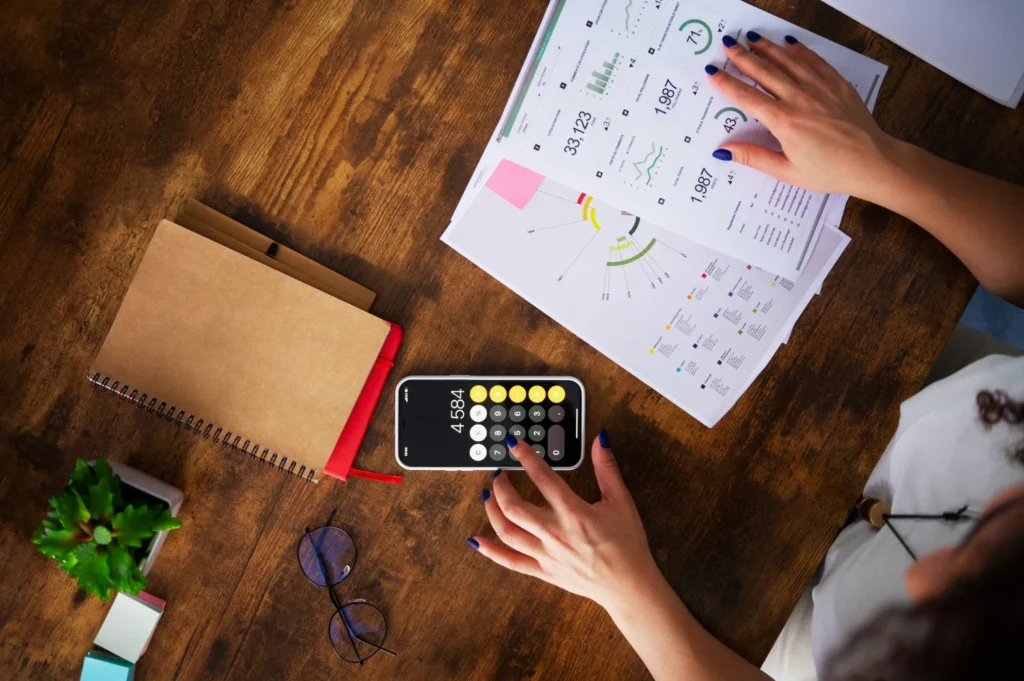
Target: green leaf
{"points": [[165, 521], [83, 475], [133, 525], [124, 570], [91, 569], [102, 535], [103, 470], [100, 501], [70, 508], [56, 543]]}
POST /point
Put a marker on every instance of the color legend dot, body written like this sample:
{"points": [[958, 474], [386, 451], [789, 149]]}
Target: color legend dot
{"points": [[556, 393], [668, 327], [678, 370], [498, 393], [651, 351], [719, 362], [478, 393], [730, 294], [740, 332], [716, 315], [704, 275], [750, 267], [694, 345], [517, 393], [773, 283], [537, 394], [755, 310], [702, 387], [689, 297]]}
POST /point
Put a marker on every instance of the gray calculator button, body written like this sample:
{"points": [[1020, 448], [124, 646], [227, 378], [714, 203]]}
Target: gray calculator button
{"points": [[517, 413], [518, 431], [537, 413], [556, 443], [497, 433], [497, 452], [537, 433], [540, 450], [478, 413], [478, 452], [556, 414], [497, 413]]}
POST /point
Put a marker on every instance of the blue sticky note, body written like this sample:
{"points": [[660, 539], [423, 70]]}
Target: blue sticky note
{"points": [[101, 667]]}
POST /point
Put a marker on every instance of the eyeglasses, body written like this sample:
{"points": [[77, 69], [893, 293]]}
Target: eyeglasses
{"points": [[357, 628]]}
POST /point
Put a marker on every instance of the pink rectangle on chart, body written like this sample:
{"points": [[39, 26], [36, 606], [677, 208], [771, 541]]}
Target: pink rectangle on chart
{"points": [[514, 183]]}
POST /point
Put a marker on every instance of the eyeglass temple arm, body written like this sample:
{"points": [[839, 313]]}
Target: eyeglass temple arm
{"points": [[341, 611], [330, 590]]}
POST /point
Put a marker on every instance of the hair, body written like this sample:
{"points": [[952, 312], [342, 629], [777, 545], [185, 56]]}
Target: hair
{"points": [[970, 631]]}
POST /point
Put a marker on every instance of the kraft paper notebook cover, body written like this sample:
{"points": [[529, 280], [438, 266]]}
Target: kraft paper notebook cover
{"points": [[242, 353]]}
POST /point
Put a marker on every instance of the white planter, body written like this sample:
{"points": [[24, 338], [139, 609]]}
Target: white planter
{"points": [[145, 482]]}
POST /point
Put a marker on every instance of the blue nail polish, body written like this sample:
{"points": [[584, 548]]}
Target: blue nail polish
{"points": [[722, 154], [511, 441], [791, 40], [496, 474], [602, 437], [711, 69], [474, 543], [753, 36], [728, 41], [486, 495]]}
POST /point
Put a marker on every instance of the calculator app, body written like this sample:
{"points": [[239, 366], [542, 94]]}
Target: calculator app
{"points": [[462, 423]]}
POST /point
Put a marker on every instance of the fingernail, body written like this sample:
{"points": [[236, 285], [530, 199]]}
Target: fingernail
{"points": [[474, 543], [722, 154], [511, 441], [791, 40], [496, 474], [728, 41], [753, 36], [602, 437], [486, 495], [711, 69]]}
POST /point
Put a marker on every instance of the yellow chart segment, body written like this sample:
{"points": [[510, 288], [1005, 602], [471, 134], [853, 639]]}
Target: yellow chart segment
{"points": [[590, 214]]}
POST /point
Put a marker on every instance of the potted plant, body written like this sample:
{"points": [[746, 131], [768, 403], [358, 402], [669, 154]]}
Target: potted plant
{"points": [[104, 533]]}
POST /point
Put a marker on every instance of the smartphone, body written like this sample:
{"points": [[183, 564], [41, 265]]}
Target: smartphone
{"points": [[459, 423]]}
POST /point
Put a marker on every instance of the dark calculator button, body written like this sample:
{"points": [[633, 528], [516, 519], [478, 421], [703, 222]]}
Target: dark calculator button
{"points": [[537, 413], [497, 452], [497, 433], [517, 413], [517, 431], [537, 433], [540, 450], [497, 413], [556, 414], [556, 443]]}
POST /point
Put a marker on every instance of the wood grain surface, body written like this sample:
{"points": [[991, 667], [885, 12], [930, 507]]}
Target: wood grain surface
{"points": [[348, 130]]}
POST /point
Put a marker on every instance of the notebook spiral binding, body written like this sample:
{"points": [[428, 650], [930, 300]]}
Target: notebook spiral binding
{"points": [[198, 426]]}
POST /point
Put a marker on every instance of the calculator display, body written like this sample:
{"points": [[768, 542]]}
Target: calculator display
{"points": [[460, 422]]}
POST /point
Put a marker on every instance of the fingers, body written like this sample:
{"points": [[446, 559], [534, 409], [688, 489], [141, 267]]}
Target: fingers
{"points": [[787, 60], [508, 532], [749, 98], [763, 72], [760, 158], [520, 513], [822, 68], [606, 470], [551, 486], [506, 557]]}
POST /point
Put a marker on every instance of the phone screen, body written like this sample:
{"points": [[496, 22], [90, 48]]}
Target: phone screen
{"points": [[461, 422]]}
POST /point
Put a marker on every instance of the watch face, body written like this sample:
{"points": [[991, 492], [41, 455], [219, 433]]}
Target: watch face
{"points": [[462, 423]]}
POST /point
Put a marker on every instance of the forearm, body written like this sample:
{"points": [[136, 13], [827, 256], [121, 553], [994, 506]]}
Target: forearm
{"points": [[671, 643], [979, 218]]}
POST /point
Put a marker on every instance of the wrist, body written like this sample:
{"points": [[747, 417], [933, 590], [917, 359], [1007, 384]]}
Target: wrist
{"points": [[885, 180], [636, 592]]}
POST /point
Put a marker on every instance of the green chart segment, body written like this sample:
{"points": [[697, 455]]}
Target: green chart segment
{"points": [[634, 258], [601, 78]]}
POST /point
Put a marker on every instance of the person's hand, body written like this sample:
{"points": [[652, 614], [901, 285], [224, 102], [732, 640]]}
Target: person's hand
{"points": [[595, 550], [830, 142]]}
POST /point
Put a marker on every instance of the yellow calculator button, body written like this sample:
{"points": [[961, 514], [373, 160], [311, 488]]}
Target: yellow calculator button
{"points": [[517, 393], [478, 393], [556, 393], [498, 393], [537, 394]]}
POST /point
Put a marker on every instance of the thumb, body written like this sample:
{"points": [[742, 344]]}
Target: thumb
{"points": [[757, 157], [606, 470]]}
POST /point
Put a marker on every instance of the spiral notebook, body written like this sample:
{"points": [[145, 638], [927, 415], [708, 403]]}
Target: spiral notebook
{"points": [[236, 351]]}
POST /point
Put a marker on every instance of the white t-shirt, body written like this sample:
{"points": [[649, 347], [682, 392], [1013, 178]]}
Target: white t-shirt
{"points": [[941, 458]]}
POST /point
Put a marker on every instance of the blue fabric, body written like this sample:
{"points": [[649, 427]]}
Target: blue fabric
{"points": [[992, 315]]}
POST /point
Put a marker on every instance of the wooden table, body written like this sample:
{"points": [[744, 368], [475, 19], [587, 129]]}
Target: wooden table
{"points": [[348, 131]]}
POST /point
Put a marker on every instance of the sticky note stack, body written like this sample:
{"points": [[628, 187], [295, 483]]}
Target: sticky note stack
{"points": [[100, 666], [124, 637]]}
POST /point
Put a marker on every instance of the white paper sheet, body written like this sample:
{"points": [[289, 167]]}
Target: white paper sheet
{"points": [[613, 100], [694, 324]]}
